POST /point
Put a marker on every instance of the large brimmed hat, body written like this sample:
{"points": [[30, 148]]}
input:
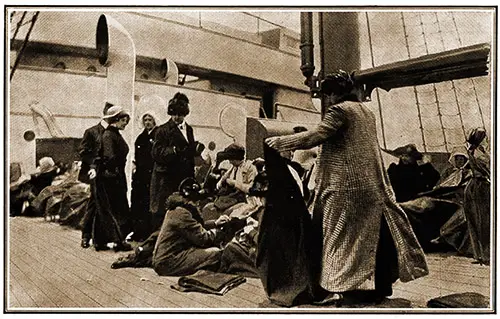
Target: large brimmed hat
{"points": [[409, 150], [45, 165], [115, 110], [476, 136]]}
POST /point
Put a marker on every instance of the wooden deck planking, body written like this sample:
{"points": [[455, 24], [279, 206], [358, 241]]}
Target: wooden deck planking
{"points": [[37, 295], [100, 278], [102, 261], [17, 292], [56, 248], [59, 265], [207, 300], [37, 276], [242, 299]]}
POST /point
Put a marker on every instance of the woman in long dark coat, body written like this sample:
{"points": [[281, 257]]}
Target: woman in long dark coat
{"points": [[477, 196], [141, 178], [111, 222]]}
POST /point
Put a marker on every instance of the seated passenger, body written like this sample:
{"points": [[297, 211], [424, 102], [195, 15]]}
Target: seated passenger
{"points": [[459, 171], [437, 216], [240, 253], [234, 184], [256, 193], [43, 177], [409, 177], [185, 242]]}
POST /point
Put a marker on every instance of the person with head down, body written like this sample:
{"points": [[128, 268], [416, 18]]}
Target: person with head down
{"points": [[186, 243], [233, 186], [364, 234], [477, 201]]}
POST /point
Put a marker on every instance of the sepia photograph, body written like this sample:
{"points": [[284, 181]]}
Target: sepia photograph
{"points": [[250, 160]]}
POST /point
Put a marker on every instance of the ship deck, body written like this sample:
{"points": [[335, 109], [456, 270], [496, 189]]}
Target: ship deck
{"points": [[47, 271]]}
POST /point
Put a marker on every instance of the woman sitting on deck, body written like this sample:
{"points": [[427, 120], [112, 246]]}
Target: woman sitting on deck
{"points": [[186, 243]]}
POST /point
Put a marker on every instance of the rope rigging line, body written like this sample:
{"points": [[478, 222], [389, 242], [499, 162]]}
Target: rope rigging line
{"points": [[472, 80], [25, 42], [376, 89], [452, 81], [436, 97], [19, 24], [414, 88]]}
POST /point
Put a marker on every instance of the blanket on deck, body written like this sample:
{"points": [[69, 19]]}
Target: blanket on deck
{"points": [[209, 282]]}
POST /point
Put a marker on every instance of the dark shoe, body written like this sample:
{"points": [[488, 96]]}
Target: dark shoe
{"points": [[100, 247], [123, 247], [124, 261], [85, 243]]}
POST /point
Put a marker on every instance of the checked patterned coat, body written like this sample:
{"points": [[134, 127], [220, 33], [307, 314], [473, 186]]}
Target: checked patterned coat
{"points": [[353, 192]]}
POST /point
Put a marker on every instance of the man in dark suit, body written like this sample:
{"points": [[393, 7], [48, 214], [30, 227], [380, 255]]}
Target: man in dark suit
{"points": [[173, 154], [89, 154]]}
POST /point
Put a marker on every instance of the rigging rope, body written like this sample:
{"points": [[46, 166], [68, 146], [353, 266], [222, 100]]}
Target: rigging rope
{"points": [[436, 98], [472, 80], [452, 81], [414, 88], [376, 89]]}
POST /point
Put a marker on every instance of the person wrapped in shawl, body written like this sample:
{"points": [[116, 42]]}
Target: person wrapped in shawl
{"points": [[477, 196]]}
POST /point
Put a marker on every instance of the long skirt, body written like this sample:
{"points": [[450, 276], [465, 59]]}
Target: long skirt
{"points": [[111, 221], [477, 212]]}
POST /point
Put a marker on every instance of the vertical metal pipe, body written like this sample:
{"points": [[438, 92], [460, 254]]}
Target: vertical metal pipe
{"points": [[306, 45], [322, 61], [116, 50]]}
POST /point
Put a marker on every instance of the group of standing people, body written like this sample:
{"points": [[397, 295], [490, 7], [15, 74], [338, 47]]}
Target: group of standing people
{"points": [[164, 156]]}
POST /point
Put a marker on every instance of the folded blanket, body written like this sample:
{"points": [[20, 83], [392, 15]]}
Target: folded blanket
{"points": [[209, 282]]}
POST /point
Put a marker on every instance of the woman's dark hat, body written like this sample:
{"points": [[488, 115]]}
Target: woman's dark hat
{"points": [[189, 187], [476, 136], [234, 152], [178, 105], [410, 150], [339, 82]]}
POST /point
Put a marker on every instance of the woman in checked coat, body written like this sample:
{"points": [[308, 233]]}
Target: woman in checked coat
{"points": [[365, 234]]}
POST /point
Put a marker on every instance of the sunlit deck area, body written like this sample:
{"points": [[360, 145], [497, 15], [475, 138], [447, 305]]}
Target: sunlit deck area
{"points": [[48, 271]]}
